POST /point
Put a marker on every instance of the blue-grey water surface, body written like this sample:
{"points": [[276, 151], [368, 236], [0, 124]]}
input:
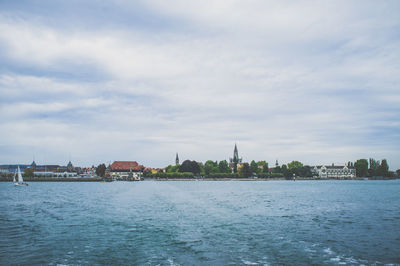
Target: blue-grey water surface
{"points": [[201, 223]]}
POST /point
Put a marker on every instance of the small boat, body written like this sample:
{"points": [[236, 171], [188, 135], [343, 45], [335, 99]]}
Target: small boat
{"points": [[20, 180]]}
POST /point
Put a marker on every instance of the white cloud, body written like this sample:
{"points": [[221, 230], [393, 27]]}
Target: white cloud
{"points": [[286, 80]]}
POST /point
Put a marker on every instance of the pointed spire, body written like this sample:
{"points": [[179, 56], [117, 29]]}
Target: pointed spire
{"points": [[235, 153], [177, 159]]}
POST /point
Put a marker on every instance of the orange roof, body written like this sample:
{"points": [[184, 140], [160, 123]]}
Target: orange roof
{"points": [[126, 166]]}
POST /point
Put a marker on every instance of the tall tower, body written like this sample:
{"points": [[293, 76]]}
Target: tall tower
{"points": [[235, 154], [177, 159], [235, 160]]}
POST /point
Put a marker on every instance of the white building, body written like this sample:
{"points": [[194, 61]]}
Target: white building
{"points": [[337, 172], [55, 174]]}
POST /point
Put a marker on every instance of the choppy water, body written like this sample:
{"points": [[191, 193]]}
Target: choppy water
{"points": [[201, 223]]}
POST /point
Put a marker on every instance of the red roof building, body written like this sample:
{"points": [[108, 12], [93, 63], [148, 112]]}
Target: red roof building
{"points": [[126, 166]]}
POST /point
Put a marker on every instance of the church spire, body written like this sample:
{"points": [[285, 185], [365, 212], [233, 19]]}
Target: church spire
{"points": [[177, 159], [235, 153]]}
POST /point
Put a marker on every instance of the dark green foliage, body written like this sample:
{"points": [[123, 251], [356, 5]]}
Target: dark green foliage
{"points": [[253, 167], [361, 166], [295, 165], [398, 172], [373, 167], [383, 169], [210, 167], [277, 169], [285, 171], [224, 167], [101, 170], [264, 165], [172, 168], [169, 175], [276, 175], [245, 171], [189, 166], [223, 175], [305, 171]]}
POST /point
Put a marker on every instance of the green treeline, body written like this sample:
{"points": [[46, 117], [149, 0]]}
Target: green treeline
{"points": [[215, 169], [374, 168], [222, 169]]}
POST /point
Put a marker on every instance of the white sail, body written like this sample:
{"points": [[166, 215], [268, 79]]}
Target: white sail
{"points": [[15, 173], [20, 180]]}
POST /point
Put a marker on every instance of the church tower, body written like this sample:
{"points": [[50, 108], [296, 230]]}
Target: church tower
{"points": [[177, 159], [235, 154], [233, 162]]}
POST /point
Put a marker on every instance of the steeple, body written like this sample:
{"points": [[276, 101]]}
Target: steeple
{"points": [[233, 162], [235, 153], [276, 163], [177, 159]]}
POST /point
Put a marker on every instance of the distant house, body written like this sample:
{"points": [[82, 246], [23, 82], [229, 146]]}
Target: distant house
{"points": [[334, 171], [126, 170], [54, 174]]}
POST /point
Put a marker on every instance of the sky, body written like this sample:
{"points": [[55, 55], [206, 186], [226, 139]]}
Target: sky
{"points": [[97, 81]]}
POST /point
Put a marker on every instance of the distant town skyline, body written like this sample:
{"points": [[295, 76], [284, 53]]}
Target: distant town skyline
{"points": [[96, 82]]}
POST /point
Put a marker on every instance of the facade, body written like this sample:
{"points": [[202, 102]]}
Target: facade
{"points": [[126, 170], [54, 174], [334, 171], [11, 168]]}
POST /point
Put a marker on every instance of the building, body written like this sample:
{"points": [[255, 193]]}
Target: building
{"points": [[12, 168], [54, 174], [177, 159], [70, 167], [334, 171], [126, 170], [236, 160]]}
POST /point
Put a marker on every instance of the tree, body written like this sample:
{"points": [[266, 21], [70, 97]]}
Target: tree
{"points": [[398, 172], [373, 167], [201, 166], [101, 170], [209, 167], [295, 167], [189, 166], [224, 167], [253, 167], [277, 169], [285, 171], [244, 170], [305, 171], [172, 168], [361, 166], [264, 165], [383, 169]]}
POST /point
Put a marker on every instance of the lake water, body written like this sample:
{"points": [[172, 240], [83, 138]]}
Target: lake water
{"points": [[201, 223]]}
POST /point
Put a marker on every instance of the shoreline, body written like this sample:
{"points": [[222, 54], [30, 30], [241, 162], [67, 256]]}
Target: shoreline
{"points": [[186, 179]]}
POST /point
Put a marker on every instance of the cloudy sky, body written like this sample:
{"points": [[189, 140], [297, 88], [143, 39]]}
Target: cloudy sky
{"points": [[98, 81]]}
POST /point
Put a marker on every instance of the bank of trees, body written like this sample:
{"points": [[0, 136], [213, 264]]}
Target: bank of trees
{"points": [[374, 168], [222, 169]]}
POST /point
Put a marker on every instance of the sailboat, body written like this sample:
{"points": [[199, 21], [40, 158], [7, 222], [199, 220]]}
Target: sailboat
{"points": [[20, 180]]}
